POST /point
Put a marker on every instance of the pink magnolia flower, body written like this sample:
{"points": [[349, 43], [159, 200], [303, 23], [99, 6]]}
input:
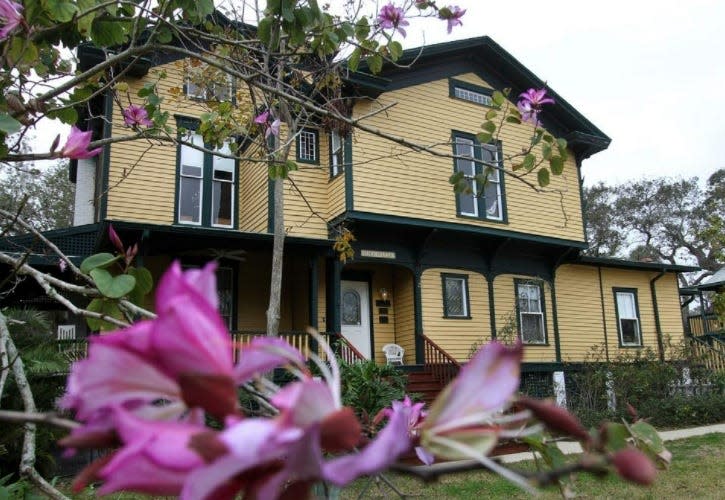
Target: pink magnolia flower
{"points": [[270, 128], [9, 16], [76, 147], [136, 116], [453, 15], [159, 368], [466, 419], [530, 103], [392, 17]]}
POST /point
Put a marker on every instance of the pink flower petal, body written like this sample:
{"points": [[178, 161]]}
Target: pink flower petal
{"points": [[264, 354]]}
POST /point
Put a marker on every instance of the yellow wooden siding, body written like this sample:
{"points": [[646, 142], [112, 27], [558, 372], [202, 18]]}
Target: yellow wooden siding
{"points": [[142, 174], [504, 294], [390, 179], [455, 336], [639, 280], [668, 304], [253, 195], [579, 311], [305, 202], [404, 313]]}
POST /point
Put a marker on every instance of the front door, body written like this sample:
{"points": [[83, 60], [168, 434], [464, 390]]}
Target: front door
{"points": [[355, 315]]}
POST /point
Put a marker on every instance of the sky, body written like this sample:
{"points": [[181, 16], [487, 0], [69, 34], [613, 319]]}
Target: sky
{"points": [[649, 74]]}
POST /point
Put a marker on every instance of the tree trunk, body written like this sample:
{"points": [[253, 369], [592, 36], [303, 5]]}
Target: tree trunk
{"points": [[275, 284]]}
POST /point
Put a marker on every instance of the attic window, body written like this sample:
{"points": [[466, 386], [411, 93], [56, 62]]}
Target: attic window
{"points": [[471, 93]]}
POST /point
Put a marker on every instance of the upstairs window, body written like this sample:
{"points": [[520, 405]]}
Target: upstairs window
{"points": [[206, 186], [470, 92], [206, 83], [485, 199], [530, 311], [308, 147], [337, 155], [628, 324], [455, 296]]}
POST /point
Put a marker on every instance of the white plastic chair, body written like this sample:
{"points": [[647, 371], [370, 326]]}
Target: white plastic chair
{"points": [[393, 354]]}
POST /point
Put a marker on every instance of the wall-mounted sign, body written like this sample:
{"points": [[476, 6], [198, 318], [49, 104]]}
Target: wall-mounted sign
{"points": [[377, 254]]}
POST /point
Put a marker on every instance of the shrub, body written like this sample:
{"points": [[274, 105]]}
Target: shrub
{"points": [[368, 387]]}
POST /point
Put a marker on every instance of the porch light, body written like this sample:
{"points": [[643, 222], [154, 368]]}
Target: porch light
{"points": [[384, 294]]}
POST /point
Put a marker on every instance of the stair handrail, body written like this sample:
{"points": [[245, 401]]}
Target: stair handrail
{"points": [[442, 365], [346, 351], [713, 358]]}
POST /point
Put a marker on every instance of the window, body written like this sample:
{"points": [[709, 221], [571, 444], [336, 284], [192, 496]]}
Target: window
{"points": [[530, 311], [469, 92], [208, 84], [337, 156], [628, 317], [455, 296], [484, 197], [308, 148], [206, 191]]}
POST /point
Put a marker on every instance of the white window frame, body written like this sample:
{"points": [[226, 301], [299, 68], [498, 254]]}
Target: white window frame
{"points": [[186, 153], [540, 314], [224, 165], [337, 155], [473, 196], [621, 316], [472, 96], [307, 146], [493, 177]]}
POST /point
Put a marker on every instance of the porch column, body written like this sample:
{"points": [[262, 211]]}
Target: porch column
{"points": [[312, 299], [84, 207], [560, 388], [334, 268], [418, 308]]}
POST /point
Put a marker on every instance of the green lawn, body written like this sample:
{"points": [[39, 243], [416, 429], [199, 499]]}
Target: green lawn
{"points": [[697, 472]]}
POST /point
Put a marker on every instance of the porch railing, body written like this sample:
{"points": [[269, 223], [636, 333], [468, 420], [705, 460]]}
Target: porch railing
{"points": [[304, 342], [438, 362], [710, 352], [696, 325]]}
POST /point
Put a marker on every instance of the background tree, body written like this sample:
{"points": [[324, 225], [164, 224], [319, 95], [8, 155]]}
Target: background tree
{"points": [[45, 194], [662, 219]]}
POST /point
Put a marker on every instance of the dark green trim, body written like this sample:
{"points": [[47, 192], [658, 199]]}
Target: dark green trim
{"points": [[418, 308], [185, 123], [582, 202], [633, 291], [480, 169], [316, 133], [333, 272], [453, 83], [106, 162], [544, 367], [464, 277], [628, 264], [540, 284], [314, 292], [604, 314], [454, 226], [491, 305], [555, 320], [347, 153], [658, 325]]}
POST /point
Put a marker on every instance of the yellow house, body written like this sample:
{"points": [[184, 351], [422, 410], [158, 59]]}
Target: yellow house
{"points": [[434, 272]]}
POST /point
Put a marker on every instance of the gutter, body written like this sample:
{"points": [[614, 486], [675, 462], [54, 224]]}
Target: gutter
{"points": [[658, 326]]}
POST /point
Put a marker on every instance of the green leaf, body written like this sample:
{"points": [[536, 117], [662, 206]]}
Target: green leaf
{"points": [[362, 29], [113, 287], [396, 50], [617, 435], [498, 98], [548, 138], [69, 116], [484, 137], [354, 61], [546, 151], [529, 161], [513, 119], [144, 280], [101, 260], [375, 63], [288, 12], [60, 11], [8, 124], [491, 114], [107, 308], [543, 177], [21, 51], [163, 34], [647, 435], [264, 30], [107, 31], [556, 164], [489, 126]]}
